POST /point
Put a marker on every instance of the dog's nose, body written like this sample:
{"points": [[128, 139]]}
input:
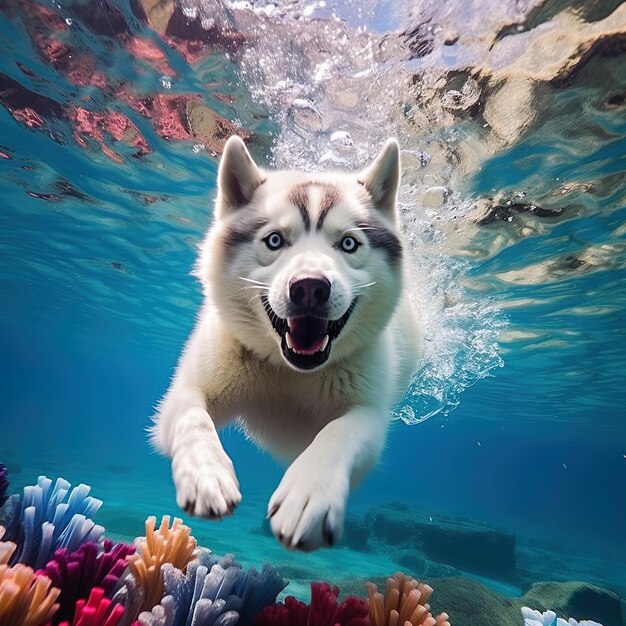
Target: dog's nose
{"points": [[309, 292]]}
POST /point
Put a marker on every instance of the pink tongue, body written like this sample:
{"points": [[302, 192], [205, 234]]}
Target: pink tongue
{"points": [[307, 333]]}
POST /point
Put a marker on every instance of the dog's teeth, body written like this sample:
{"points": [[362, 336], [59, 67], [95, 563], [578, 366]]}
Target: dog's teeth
{"points": [[289, 341], [324, 343]]}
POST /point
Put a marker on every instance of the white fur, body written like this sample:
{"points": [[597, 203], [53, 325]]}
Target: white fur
{"points": [[330, 422]]}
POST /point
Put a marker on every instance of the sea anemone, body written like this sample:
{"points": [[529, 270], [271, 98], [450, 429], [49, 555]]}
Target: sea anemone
{"points": [[404, 604], [323, 610], [25, 599], [76, 573]]}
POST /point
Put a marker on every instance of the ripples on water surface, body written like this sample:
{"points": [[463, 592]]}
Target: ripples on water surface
{"points": [[514, 200]]}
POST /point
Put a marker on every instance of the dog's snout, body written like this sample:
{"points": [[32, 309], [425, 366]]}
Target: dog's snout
{"points": [[309, 292]]}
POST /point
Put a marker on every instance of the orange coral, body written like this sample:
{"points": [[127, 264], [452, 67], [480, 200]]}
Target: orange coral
{"points": [[25, 599], [7, 548], [173, 545], [404, 604]]}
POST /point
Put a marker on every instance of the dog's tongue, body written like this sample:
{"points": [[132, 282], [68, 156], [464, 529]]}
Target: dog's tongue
{"points": [[307, 335]]}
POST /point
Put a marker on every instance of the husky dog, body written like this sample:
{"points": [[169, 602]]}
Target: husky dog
{"points": [[306, 336]]}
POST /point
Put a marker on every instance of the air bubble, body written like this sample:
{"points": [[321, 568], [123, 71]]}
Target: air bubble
{"points": [[190, 12], [305, 115], [341, 141], [166, 82], [464, 99]]}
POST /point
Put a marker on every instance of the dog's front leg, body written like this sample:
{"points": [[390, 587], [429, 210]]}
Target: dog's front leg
{"points": [[204, 476], [307, 510]]}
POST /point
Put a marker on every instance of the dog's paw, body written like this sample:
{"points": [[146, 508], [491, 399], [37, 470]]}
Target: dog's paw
{"points": [[307, 510], [206, 484]]}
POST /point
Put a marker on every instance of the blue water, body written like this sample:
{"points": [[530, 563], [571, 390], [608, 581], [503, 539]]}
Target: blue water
{"points": [[97, 300]]}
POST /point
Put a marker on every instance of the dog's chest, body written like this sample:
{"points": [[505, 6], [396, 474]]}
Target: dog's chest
{"points": [[283, 410]]}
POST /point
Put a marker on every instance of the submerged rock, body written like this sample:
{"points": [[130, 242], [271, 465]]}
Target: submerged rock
{"points": [[442, 543], [579, 600], [470, 603]]}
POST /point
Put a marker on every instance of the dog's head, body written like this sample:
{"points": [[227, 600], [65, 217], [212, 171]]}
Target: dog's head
{"points": [[305, 269]]}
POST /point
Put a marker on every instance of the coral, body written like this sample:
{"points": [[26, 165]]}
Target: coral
{"points": [[164, 579], [50, 518], [7, 548], [96, 611], [4, 483], [76, 573], [214, 591], [323, 610], [549, 618], [173, 545], [169, 112], [25, 599], [404, 604], [94, 124], [27, 116]]}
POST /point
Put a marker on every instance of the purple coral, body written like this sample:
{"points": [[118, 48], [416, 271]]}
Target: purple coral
{"points": [[4, 483], [75, 573]]}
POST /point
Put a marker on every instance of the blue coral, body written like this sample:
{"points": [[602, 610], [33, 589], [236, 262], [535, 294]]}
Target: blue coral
{"points": [[50, 517], [215, 592]]}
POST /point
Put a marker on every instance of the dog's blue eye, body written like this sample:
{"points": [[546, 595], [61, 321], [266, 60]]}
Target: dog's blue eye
{"points": [[349, 244], [274, 241]]}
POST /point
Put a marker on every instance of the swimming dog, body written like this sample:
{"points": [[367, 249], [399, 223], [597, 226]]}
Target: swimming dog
{"points": [[306, 337]]}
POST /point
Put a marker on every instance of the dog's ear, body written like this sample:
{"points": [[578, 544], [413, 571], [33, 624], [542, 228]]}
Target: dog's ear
{"points": [[237, 177], [382, 178]]}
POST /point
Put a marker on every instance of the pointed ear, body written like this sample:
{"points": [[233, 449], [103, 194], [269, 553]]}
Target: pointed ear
{"points": [[382, 178], [237, 178]]}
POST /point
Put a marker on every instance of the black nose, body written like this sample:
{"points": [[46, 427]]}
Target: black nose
{"points": [[309, 292]]}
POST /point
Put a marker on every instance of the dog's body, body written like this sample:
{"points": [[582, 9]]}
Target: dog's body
{"points": [[306, 336]]}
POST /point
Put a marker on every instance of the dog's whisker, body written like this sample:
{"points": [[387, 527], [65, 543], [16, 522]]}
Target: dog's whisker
{"points": [[362, 285], [250, 280]]}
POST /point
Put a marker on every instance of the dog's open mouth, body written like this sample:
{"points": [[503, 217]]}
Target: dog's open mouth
{"points": [[307, 339]]}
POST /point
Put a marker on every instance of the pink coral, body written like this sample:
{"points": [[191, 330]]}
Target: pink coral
{"points": [[94, 124], [27, 116], [167, 113], [96, 611]]}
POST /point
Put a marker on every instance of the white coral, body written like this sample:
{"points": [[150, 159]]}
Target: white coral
{"points": [[549, 618]]}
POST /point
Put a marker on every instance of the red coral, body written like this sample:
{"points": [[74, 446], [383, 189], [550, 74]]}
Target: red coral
{"points": [[97, 611], [323, 610], [27, 116]]}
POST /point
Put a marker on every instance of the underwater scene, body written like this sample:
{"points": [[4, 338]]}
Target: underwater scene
{"points": [[500, 495]]}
